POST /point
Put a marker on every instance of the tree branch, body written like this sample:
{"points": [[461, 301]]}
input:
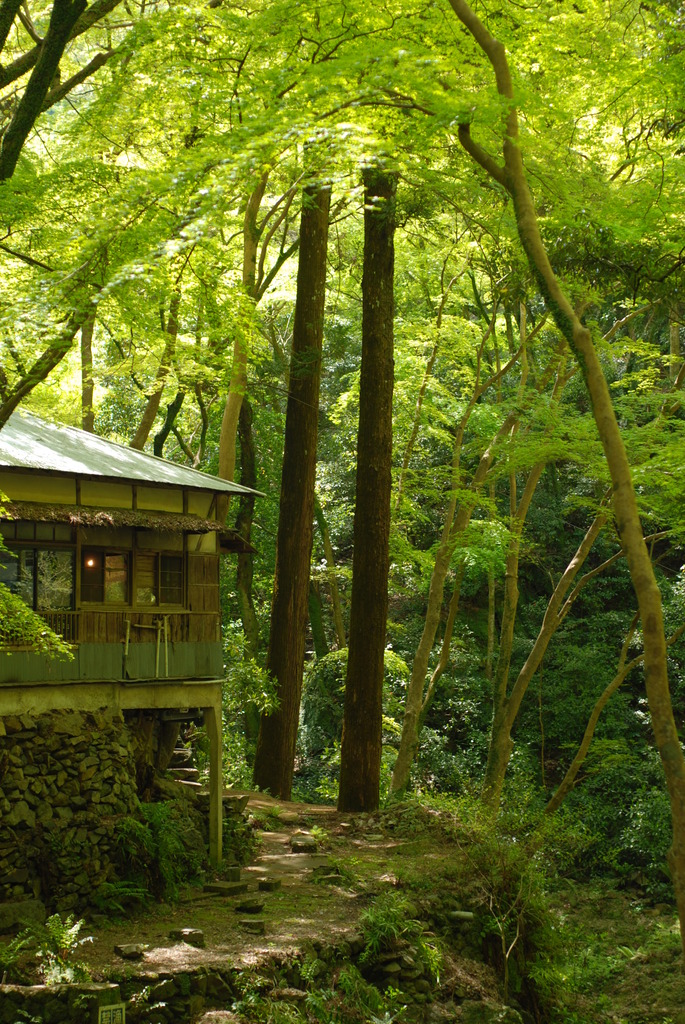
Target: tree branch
{"points": [[60, 91], [65, 14], [475, 151], [8, 12], [96, 12]]}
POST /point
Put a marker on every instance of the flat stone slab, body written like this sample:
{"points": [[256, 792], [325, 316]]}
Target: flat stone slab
{"points": [[302, 842], [131, 950], [288, 817], [226, 888], [193, 936]]}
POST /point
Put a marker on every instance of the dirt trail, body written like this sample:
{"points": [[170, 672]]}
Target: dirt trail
{"points": [[299, 912]]}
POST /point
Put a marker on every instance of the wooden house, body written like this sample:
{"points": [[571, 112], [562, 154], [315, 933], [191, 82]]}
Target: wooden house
{"points": [[119, 552]]}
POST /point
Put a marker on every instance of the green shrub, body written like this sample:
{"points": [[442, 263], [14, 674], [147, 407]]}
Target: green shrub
{"points": [[160, 851], [323, 699], [11, 953], [390, 923], [57, 942]]}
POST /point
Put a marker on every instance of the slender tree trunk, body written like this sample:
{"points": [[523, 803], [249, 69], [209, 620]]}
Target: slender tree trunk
{"points": [[285, 660], [44, 364], [172, 411], [501, 744], [360, 756], [155, 397], [674, 341], [428, 373], [455, 522], [331, 578], [490, 655], [87, 383], [624, 670], [238, 382], [512, 177]]}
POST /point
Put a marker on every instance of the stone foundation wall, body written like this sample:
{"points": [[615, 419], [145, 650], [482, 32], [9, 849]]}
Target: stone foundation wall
{"points": [[66, 780]]}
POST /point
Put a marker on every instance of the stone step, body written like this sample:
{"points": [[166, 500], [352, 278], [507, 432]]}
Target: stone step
{"points": [[226, 888], [185, 774], [181, 758]]}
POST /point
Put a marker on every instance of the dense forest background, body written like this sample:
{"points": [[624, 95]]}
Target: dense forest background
{"points": [[157, 163]]}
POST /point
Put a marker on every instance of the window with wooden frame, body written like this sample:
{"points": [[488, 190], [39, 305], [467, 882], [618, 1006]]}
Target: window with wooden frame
{"points": [[38, 572], [41, 577], [159, 579], [105, 576]]}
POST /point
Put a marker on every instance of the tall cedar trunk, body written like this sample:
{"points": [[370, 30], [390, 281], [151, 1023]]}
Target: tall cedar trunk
{"points": [[285, 660], [87, 383], [512, 177], [360, 758]]}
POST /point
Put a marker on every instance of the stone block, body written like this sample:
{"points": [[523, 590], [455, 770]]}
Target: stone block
{"points": [[303, 842], [269, 884]]}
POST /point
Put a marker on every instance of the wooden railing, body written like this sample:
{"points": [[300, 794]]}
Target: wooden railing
{"points": [[100, 626], [64, 623]]}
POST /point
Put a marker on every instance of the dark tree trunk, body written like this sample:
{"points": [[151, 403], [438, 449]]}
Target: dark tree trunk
{"points": [[316, 621], [361, 739], [278, 732]]}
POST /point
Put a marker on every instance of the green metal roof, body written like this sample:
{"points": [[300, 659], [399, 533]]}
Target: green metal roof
{"points": [[28, 442]]}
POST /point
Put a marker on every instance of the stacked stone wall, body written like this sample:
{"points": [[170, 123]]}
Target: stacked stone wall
{"points": [[66, 780]]}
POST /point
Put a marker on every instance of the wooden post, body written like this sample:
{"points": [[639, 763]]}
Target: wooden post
{"points": [[212, 717]]}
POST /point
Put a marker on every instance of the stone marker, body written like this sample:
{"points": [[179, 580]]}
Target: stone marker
{"points": [[231, 873], [289, 995], [236, 804], [269, 884], [219, 1017]]}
